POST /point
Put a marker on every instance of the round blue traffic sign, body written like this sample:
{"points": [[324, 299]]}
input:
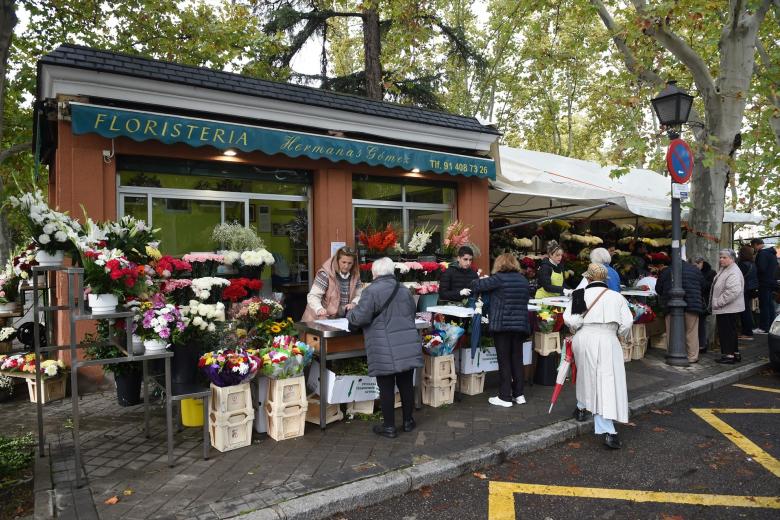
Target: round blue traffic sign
{"points": [[679, 161]]}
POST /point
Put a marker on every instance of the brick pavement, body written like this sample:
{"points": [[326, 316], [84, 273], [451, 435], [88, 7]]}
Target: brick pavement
{"points": [[117, 456]]}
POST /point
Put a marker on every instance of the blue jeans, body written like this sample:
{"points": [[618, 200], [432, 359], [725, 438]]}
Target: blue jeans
{"points": [[766, 304]]}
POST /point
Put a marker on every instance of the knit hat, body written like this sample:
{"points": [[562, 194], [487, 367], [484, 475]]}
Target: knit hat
{"points": [[596, 273]]}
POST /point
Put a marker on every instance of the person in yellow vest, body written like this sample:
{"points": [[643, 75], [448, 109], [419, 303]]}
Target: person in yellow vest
{"points": [[336, 288], [551, 273]]}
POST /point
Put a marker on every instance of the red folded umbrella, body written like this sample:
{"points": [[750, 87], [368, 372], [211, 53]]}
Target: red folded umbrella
{"points": [[563, 372]]}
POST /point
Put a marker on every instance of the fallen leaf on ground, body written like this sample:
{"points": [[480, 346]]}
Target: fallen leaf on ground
{"points": [[480, 475], [632, 424], [111, 501], [659, 429], [665, 516], [573, 469], [659, 411], [574, 445], [127, 492], [426, 491]]}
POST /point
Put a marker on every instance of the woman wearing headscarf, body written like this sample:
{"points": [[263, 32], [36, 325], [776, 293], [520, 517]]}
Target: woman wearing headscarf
{"points": [[336, 288], [598, 315], [728, 303], [550, 274]]}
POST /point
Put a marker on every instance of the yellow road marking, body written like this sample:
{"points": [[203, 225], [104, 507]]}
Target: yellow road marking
{"points": [[501, 502], [742, 442], [762, 388]]}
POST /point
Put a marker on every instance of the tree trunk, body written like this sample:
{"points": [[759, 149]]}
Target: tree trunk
{"points": [[8, 21], [372, 49]]}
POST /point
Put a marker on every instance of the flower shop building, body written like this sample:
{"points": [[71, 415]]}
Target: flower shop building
{"points": [[187, 148]]}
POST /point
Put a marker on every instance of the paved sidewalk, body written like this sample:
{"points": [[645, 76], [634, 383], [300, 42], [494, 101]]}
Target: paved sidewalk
{"points": [[117, 457]]}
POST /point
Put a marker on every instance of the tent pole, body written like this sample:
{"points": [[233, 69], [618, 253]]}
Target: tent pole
{"points": [[497, 204], [566, 214]]}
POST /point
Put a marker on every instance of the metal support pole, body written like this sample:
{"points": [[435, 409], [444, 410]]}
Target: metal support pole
{"points": [[145, 365], [677, 354], [169, 409], [74, 371], [37, 344]]}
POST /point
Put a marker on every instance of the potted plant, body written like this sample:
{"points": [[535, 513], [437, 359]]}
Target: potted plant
{"points": [[127, 376], [9, 290], [156, 321], [7, 335], [51, 230], [109, 275]]}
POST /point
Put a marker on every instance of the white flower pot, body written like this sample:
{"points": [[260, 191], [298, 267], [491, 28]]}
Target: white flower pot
{"points": [[103, 303], [138, 345], [8, 307], [154, 345], [45, 259]]}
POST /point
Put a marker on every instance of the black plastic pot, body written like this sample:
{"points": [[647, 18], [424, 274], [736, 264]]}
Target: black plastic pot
{"points": [[547, 369], [128, 388], [184, 365]]}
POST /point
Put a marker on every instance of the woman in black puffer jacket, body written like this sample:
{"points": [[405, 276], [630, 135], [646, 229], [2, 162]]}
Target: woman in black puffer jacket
{"points": [[508, 314]]}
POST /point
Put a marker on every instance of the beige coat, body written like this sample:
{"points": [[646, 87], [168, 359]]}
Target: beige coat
{"points": [[727, 291]]}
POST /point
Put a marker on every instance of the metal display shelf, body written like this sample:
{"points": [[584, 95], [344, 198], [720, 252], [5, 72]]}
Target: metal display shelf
{"points": [[77, 312]]}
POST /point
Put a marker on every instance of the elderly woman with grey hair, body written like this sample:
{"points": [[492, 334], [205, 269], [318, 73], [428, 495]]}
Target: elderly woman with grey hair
{"points": [[727, 304], [386, 312], [601, 256]]}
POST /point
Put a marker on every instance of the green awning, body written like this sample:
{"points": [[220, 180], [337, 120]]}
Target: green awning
{"points": [[142, 126]]}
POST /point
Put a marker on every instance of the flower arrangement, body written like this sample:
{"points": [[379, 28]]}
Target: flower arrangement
{"points": [[25, 362], [157, 319], [202, 317], [641, 312], [252, 262], [228, 367], [9, 285], [177, 289], [7, 334], [524, 244], [203, 264], [286, 357], [241, 288], [251, 312], [229, 257], [428, 288], [277, 328], [12, 363], [51, 230], [133, 236], [378, 242], [170, 267], [549, 319], [108, 271], [408, 271], [552, 229], [587, 240], [457, 235], [236, 237], [24, 262], [431, 271], [208, 289], [420, 239]]}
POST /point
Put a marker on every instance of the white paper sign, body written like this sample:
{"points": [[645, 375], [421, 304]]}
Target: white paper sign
{"points": [[680, 191], [335, 246], [338, 323]]}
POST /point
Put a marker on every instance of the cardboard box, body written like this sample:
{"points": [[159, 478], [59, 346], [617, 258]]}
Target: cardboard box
{"points": [[343, 389], [486, 361]]}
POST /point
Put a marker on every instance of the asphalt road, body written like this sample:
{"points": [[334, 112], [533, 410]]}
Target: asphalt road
{"points": [[670, 450]]}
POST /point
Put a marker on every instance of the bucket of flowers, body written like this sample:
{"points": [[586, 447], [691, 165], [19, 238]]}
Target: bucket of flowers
{"points": [[209, 289], [9, 289], [549, 322], [228, 367], [156, 321], [251, 263], [24, 262], [378, 243], [253, 311], [456, 236], [7, 335], [429, 295], [169, 267], [51, 230], [286, 358], [241, 289], [420, 240], [110, 276], [177, 289], [204, 264], [450, 333]]}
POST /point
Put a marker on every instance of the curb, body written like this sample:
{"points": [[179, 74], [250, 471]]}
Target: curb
{"points": [[372, 490]]}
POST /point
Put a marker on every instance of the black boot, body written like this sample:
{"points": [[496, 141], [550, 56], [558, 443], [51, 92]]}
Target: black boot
{"points": [[409, 425], [580, 414], [386, 431], [612, 441]]}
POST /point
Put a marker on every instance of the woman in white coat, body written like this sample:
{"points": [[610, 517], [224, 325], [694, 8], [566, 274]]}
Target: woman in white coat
{"points": [[597, 315]]}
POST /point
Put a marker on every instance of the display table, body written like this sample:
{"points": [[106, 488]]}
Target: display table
{"points": [[330, 343], [555, 301], [637, 292]]}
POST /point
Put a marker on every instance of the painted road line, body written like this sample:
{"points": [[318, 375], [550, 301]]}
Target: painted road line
{"points": [[742, 442], [501, 501], [762, 388]]}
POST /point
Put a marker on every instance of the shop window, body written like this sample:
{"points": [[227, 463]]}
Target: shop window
{"points": [[405, 205]]}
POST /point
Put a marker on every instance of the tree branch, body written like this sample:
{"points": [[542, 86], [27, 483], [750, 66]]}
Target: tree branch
{"points": [[13, 150], [757, 18]]}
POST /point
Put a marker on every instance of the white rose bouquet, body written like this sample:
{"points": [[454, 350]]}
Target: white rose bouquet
{"points": [[209, 289], [52, 230]]}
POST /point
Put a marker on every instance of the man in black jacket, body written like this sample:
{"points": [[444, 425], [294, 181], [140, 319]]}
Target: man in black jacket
{"points": [[766, 265], [456, 280], [692, 284]]}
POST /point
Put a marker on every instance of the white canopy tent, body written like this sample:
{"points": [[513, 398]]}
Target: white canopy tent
{"points": [[532, 185]]}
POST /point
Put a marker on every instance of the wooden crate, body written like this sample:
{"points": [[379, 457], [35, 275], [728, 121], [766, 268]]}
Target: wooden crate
{"points": [[5, 347], [286, 393], [547, 343], [658, 342], [230, 431], [471, 384], [440, 395], [342, 344], [332, 414], [230, 398], [627, 349], [639, 331], [364, 407], [638, 348], [285, 424], [439, 367], [53, 388]]}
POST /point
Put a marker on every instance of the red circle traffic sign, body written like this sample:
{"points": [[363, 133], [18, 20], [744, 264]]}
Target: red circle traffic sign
{"points": [[679, 161]]}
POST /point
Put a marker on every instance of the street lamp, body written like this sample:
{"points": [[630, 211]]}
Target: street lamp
{"points": [[672, 106]]}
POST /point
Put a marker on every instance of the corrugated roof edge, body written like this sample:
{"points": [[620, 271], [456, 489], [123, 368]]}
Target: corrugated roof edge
{"points": [[76, 56]]}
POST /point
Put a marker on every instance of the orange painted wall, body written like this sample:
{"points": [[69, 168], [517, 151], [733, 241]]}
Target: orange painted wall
{"points": [[80, 176]]}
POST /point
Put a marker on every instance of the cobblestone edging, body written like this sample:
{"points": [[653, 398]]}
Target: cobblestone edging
{"points": [[373, 490]]}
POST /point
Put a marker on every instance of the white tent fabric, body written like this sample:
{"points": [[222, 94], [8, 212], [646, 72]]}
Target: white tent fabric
{"points": [[543, 179]]}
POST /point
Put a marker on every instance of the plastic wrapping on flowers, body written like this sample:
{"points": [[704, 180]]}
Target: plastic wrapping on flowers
{"points": [[228, 367], [286, 357], [443, 340], [549, 319], [642, 312]]}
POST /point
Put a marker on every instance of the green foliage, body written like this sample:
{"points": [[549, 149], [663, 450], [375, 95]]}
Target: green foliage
{"points": [[16, 455], [97, 346]]}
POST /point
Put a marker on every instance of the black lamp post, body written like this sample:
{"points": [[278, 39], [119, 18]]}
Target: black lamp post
{"points": [[672, 106]]}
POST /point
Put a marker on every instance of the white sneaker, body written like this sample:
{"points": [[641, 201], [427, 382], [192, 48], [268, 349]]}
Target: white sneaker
{"points": [[499, 402], [759, 331], [520, 399]]}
